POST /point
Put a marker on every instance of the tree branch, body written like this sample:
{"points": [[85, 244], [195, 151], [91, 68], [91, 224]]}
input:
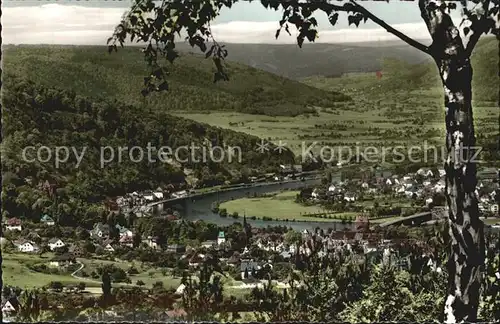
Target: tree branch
{"points": [[410, 41], [477, 28]]}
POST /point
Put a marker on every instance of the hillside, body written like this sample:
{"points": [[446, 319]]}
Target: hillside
{"points": [[404, 77], [320, 59], [40, 116], [92, 72]]}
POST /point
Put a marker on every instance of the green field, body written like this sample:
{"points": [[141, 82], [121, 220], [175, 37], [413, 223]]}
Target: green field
{"points": [[15, 272], [281, 206]]}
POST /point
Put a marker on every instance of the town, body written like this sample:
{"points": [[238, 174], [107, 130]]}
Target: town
{"points": [[140, 248]]}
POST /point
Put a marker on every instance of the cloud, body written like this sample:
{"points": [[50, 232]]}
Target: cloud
{"points": [[264, 32], [59, 24], [63, 24]]}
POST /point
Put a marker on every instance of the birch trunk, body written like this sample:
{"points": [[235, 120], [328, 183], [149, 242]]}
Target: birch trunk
{"points": [[466, 229]]}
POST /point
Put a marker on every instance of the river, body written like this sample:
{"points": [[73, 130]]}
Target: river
{"points": [[200, 207]]}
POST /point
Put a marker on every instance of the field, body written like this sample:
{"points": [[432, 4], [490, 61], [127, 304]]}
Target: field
{"points": [[281, 206], [16, 272], [404, 107], [378, 122]]}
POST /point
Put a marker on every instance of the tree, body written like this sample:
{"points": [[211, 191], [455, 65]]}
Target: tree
{"points": [[450, 51], [81, 286], [106, 283]]}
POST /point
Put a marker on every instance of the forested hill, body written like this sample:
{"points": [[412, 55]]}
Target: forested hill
{"points": [[37, 115], [92, 72]]}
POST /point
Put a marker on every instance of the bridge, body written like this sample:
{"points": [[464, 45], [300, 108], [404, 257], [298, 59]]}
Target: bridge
{"points": [[412, 220]]}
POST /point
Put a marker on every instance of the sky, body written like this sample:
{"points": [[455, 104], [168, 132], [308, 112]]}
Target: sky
{"points": [[91, 22]]}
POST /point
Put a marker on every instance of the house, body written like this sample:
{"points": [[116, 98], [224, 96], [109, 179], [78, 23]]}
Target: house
{"points": [[494, 208], [176, 248], [158, 195], [425, 172], [62, 260], [9, 306], [349, 196], [248, 268], [179, 194], [47, 220], [286, 255], [180, 289], [196, 259], [55, 243], [209, 244], [286, 168], [332, 188], [297, 168], [442, 172], [76, 251], [126, 241], [412, 192], [124, 231], [149, 196], [100, 231], [26, 246], [108, 247], [13, 224], [221, 238], [439, 186], [152, 242]]}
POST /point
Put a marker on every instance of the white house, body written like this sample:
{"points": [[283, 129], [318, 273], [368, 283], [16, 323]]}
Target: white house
{"points": [[9, 307], [221, 238], [151, 242], [428, 201], [124, 232], [26, 246], [494, 208], [439, 186], [315, 194], [13, 224], [55, 243], [208, 244], [109, 248], [331, 188], [180, 289], [158, 195], [179, 194], [349, 197], [425, 172], [442, 172]]}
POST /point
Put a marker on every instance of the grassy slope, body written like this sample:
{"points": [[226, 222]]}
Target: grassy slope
{"points": [[90, 71]]}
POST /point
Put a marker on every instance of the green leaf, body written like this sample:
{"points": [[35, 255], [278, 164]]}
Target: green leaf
{"points": [[333, 18]]}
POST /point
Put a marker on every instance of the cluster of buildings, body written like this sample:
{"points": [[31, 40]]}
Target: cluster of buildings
{"points": [[423, 184]]}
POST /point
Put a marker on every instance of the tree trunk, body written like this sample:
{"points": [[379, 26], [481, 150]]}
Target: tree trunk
{"points": [[466, 230], [466, 259]]}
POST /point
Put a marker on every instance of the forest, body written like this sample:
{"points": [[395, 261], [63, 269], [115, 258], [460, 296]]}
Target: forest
{"points": [[40, 116], [95, 73]]}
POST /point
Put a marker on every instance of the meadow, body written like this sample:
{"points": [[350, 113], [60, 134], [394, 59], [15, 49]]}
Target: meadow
{"points": [[280, 206]]}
